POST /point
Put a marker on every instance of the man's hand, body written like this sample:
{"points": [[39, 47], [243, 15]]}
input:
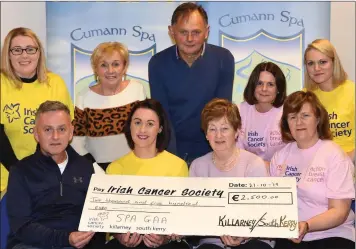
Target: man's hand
{"points": [[129, 239], [80, 239]]}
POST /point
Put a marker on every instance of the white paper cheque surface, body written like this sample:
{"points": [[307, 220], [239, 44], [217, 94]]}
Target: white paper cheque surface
{"points": [[249, 207]]}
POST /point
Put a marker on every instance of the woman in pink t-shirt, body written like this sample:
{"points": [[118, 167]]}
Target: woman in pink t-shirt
{"points": [[261, 111], [221, 123], [323, 172]]}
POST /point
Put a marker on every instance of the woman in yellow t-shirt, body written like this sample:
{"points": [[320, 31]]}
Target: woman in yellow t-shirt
{"points": [[147, 133], [325, 76], [25, 84]]}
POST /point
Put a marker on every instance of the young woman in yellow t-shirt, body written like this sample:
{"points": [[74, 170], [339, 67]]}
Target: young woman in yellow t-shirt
{"points": [[147, 133], [25, 84], [325, 76]]}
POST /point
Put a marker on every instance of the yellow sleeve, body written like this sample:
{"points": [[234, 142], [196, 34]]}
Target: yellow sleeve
{"points": [[2, 98], [62, 93], [350, 146], [4, 175], [114, 168], [183, 170]]}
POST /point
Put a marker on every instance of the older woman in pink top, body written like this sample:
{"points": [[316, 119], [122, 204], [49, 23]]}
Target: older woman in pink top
{"points": [[221, 123], [323, 172]]}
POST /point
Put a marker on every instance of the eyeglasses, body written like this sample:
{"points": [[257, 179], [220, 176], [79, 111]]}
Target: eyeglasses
{"points": [[19, 50]]}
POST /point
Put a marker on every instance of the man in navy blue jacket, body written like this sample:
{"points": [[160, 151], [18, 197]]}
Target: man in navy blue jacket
{"points": [[47, 190], [186, 76]]}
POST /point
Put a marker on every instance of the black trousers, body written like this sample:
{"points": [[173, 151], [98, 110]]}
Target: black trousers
{"points": [[327, 243]]}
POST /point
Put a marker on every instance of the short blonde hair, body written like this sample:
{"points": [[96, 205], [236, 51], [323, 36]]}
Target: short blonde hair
{"points": [[324, 46], [6, 67], [108, 48]]}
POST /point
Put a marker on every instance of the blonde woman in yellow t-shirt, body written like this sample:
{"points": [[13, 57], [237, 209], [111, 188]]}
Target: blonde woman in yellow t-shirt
{"points": [[25, 84], [325, 76], [147, 133]]}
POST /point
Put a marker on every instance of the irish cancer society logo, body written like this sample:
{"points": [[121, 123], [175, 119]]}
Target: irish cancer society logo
{"points": [[262, 46], [12, 111], [83, 76]]}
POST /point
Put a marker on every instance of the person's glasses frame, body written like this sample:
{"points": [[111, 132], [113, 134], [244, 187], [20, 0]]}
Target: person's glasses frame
{"points": [[19, 51]]}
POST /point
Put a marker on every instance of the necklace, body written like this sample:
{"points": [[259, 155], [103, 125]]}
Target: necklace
{"points": [[229, 164]]}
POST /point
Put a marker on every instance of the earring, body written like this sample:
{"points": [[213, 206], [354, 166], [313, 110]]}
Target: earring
{"points": [[123, 77]]}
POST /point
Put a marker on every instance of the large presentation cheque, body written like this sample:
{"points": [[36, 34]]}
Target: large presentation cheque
{"points": [[251, 207]]}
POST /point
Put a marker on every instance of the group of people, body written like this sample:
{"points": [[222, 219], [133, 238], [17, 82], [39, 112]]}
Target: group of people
{"points": [[189, 127]]}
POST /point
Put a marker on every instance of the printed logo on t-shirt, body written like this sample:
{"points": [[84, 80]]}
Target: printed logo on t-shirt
{"points": [[255, 140], [12, 112], [275, 138], [315, 174], [29, 120], [339, 129], [292, 171]]}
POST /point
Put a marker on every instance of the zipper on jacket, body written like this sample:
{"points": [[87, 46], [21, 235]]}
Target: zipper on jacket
{"points": [[61, 188]]}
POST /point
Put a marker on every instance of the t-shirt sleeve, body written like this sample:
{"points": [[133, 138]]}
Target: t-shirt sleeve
{"points": [[257, 168], [193, 169], [239, 143], [351, 139], [273, 165], [183, 170], [114, 168], [4, 98], [339, 182], [241, 136], [63, 93]]}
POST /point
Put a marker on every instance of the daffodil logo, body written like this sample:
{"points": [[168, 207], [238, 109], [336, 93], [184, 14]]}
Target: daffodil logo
{"points": [[12, 112]]}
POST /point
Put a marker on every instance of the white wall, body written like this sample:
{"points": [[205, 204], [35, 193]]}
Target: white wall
{"points": [[342, 28], [24, 14], [342, 34]]}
